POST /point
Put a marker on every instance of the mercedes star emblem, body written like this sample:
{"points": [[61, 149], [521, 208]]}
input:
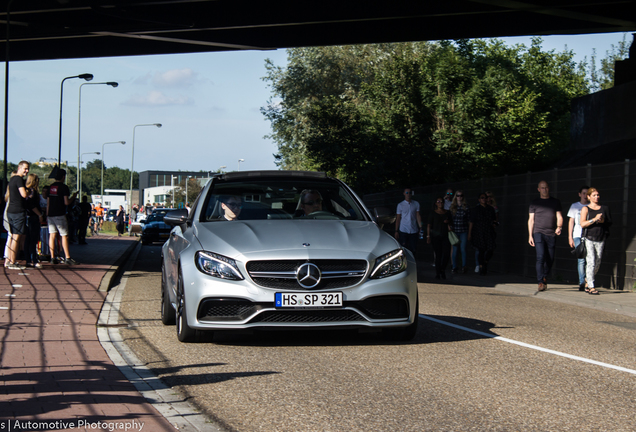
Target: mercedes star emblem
{"points": [[308, 275]]}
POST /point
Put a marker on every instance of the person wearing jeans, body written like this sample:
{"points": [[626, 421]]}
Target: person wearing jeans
{"points": [[545, 222], [461, 217], [575, 231]]}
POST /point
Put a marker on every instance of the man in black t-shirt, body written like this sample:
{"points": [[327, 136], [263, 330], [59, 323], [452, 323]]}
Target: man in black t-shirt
{"points": [[545, 222], [57, 202], [16, 215]]}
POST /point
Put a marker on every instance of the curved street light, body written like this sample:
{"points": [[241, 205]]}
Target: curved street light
{"points": [[239, 163], [79, 117], [87, 77], [132, 161], [112, 142], [79, 169]]}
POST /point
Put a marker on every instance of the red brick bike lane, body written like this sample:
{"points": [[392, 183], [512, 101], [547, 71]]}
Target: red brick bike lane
{"points": [[54, 373]]}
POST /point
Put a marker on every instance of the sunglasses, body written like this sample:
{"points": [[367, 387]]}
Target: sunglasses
{"points": [[438, 202], [317, 201], [449, 193], [459, 196], [234, 205], [482, 197]]}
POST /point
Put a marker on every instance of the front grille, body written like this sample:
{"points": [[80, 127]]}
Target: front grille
{"points": [[314, 316], [281, 274]]}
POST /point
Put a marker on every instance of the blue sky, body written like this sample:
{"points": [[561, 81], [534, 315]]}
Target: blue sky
{"points": [[209, 106]]}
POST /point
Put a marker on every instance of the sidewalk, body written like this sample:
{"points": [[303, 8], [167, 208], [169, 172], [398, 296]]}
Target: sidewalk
{"points": [[620, 302], [52, 366]]}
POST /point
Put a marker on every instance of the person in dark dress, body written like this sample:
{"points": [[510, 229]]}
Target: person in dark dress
{"points": [[120, 217], [437, 235], [84, 217], [481, 232]]}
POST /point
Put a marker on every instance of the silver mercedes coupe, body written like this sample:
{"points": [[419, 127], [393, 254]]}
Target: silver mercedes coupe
{"points": [[284, 249]]}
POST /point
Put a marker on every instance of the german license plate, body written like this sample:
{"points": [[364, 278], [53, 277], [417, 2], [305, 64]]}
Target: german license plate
{"points": [[307, 300]]}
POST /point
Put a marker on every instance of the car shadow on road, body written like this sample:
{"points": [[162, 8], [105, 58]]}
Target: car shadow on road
{"points": [[431, 329]]}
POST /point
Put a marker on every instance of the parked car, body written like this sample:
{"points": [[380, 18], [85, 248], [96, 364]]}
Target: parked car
{"points": [[155, 229], [281, 266]]}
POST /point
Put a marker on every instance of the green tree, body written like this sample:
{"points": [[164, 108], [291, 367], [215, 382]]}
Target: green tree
{"points": [[603, 78], [384, 115]]}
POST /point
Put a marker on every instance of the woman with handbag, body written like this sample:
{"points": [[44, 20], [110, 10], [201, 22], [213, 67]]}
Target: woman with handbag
{"points": [[461, 218], [595, 220], [437, 234], [481, 231]]}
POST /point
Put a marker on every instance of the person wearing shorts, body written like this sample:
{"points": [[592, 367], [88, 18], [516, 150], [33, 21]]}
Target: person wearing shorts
{"points": [[57, 202], [16, 215]]}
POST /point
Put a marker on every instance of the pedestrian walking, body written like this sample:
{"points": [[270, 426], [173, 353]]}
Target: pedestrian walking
{"points": [[545, 222], [120, 218], [437, 229], [575, 231], [596, 220], [84, 218], [481, 232], [34, 221], [408, 222], [448, 199], [461, 218], [16, 215]]}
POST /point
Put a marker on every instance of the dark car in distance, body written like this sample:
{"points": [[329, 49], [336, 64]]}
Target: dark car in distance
{"points": [[155, 229]]}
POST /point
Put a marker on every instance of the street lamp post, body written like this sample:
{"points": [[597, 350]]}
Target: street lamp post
{"points": [[132, 161], [186, 196], [239, 163], [172, 186], [112, 142], [79, 117], [86, 77], [79, 172]]}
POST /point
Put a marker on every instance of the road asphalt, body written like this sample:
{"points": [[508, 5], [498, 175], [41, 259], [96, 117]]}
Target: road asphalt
{"points": [[55, 374]]}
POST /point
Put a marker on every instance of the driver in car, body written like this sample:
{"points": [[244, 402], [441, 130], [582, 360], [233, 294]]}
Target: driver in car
{"points": [[310, 201], [231, 206]]}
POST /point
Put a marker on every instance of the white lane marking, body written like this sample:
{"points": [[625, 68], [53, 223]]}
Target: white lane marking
{"points": [[534, 347]]}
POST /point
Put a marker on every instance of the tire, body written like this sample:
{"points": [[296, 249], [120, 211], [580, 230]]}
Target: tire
{"points": [[168, 315], [185, 333], [405, 334]]}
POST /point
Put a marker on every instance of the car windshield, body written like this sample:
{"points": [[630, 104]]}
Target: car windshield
{"points": [[285, 198], [155, 217]]}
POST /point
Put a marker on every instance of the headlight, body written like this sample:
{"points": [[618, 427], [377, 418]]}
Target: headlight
{"points": [[389, 264], [218, 266]]}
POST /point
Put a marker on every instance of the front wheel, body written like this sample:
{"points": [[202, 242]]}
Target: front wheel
{"points": [[167, 311], [185, 333]]}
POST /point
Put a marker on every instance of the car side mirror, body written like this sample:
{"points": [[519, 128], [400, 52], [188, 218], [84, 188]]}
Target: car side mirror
{"points": [[176, 217], [383, 216]]}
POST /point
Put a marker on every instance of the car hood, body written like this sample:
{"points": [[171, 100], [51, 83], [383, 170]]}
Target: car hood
{"points": [[293, 239]]}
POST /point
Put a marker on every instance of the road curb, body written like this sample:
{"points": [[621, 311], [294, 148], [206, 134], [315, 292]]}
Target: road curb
{"points": [[117, 269], [173, 406]]}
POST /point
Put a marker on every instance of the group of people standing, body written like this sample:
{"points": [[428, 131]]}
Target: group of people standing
{"points": [[453, 220], [451, 214], [26, 211]]}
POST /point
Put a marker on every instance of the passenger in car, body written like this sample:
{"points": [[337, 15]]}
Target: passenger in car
{"points": [[310, 201], [231, 206]]}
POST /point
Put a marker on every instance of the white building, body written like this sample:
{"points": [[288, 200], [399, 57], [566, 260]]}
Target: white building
{"points": [[113, 198]]}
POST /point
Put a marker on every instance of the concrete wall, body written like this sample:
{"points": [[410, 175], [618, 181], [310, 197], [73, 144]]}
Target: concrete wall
{"points": [[616, 184], [604, 117]]}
